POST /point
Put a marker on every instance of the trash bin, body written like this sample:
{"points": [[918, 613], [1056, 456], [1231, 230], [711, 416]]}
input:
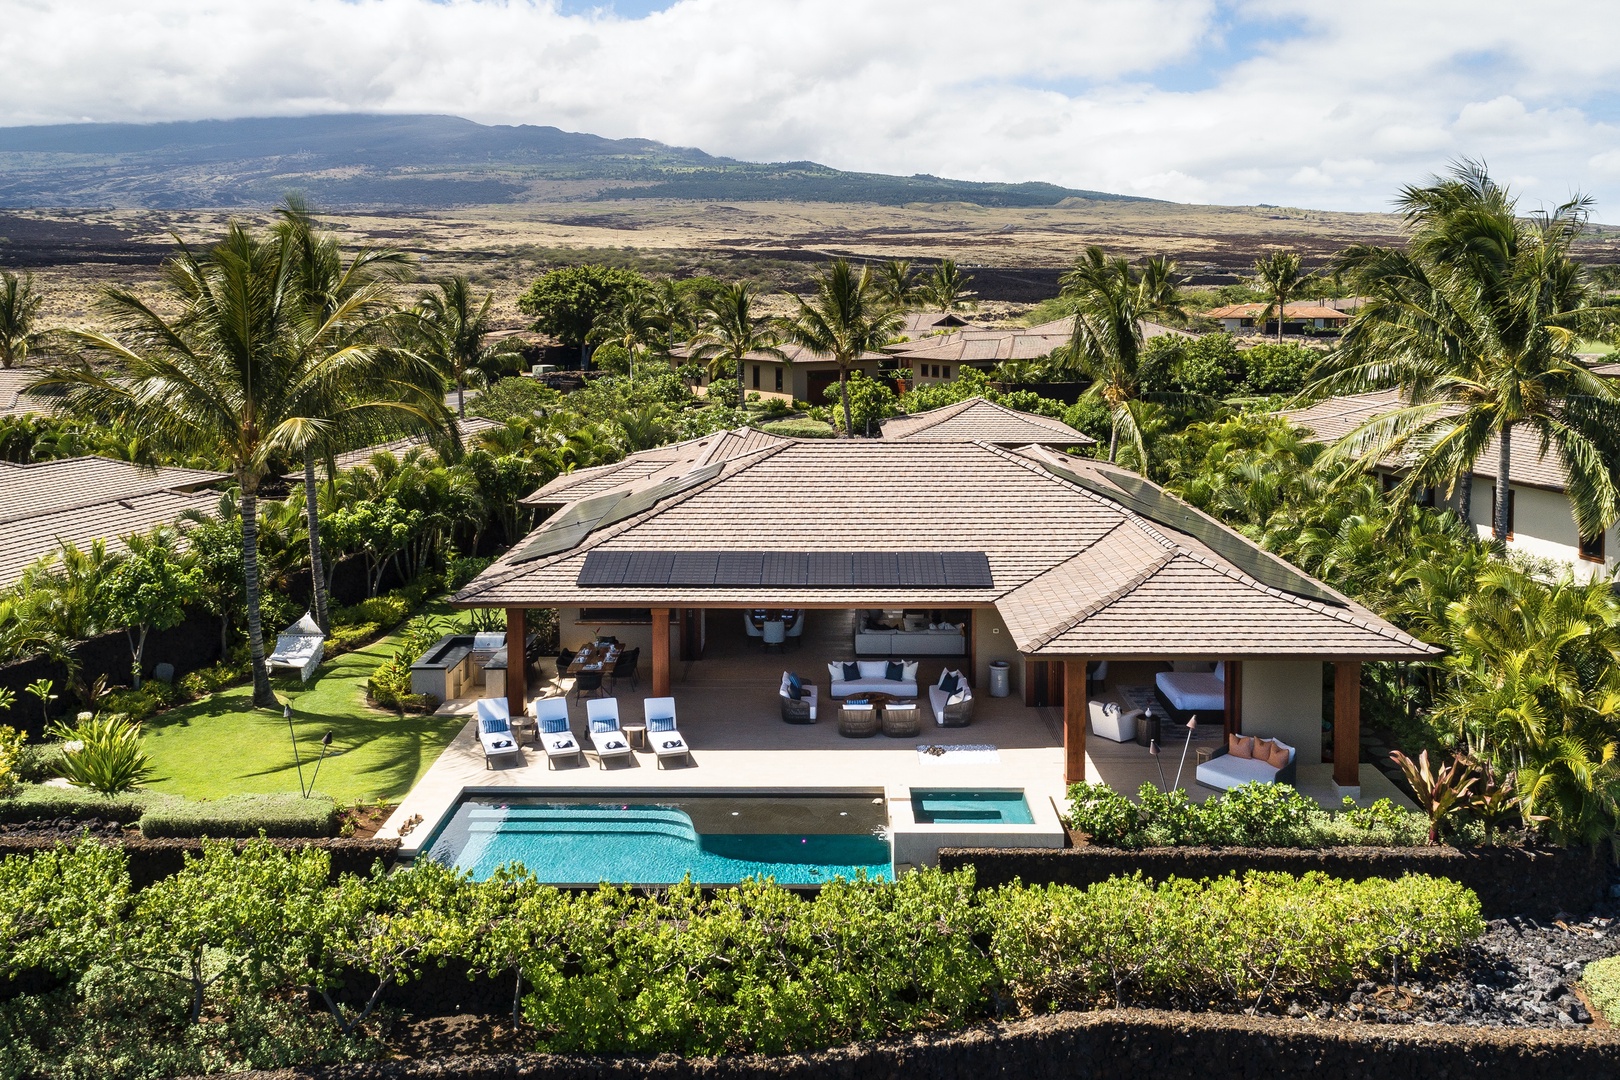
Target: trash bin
{"points": [[1000, 684]]}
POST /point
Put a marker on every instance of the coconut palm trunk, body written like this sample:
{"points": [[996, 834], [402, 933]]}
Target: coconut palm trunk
{"points": [[461, 396], [317, 579], [263, 696], [843, 395], [1504, 489]]}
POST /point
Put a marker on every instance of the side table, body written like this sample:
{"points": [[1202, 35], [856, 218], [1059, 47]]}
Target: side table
{"points": [[1147, 730], [526, 725], [636, 734]]}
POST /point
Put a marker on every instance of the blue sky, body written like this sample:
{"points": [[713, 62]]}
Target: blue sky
{"points": [[1223, 101]]}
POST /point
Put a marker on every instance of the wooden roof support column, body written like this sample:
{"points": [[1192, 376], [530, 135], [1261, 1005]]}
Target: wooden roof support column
{"points": [[1347, 724], [1075, 715], [517, 683], [660, 652]]}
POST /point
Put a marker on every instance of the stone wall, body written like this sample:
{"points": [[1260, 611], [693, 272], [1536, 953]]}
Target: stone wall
{"points": [[1141, 1044], [1539, 883]]}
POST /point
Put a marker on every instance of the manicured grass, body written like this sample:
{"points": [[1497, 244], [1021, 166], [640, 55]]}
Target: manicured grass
{"points": [[1588, 345], [221, 745]]}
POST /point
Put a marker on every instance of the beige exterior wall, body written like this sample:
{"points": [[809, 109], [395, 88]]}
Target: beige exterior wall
{"points": [[1282, 699], [993, 641]]}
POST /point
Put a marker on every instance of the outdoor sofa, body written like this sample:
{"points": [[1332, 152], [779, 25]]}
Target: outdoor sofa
{"points": [[952, 699], [1238, 762], [882, 633], [873, 677], [800, 709]]}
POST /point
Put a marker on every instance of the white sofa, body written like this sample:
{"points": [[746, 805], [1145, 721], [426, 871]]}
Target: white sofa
{"points": [[899, 634], [873, 680], [1224, 771]]}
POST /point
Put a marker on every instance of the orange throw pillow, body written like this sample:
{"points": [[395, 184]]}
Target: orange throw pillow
{"points": [[1272, 752], [1240, 746]]}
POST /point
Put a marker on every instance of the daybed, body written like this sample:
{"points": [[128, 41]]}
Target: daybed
{"points": [[873, 677], [602, 714], [299, 648], [1183, 693], [952, 699], [555, 736], [495, 730], [662, 735], [801, 709], [1241, 761]]}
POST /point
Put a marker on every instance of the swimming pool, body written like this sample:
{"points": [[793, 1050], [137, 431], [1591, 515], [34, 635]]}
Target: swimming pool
{"points": [[714, 839], [983, 807]]}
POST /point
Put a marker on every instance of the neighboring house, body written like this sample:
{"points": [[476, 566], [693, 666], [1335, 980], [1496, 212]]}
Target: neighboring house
{"points": [[83, 499], [1044, 561], [985, 421], [470, 428], [806, 376], [1241, 318], [13, 401], [922, 324], [1540, 520], [942, 358]]}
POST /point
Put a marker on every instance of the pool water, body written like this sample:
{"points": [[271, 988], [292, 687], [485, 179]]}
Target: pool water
{"points": [[976, 807], [714, 840]]}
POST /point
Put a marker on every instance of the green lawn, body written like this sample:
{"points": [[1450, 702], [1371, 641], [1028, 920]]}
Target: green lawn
{"points": [[221, 745], [1588, 345]]}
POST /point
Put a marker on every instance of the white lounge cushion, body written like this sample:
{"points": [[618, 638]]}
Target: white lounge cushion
{"points": [[939, 699], [1191, 691], [1227, 772], [855, 687]]}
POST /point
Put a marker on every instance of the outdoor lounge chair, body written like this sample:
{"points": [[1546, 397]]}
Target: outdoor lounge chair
{"points": [[299, 648], [801, 709], [555, 735], [495, 730], [662, 734], [602, 714]]}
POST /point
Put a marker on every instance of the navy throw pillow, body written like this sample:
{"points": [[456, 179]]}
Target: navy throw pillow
{"points": [[895, 672], [796, 693], [795, 684], [554, 725], [852, 671], [949, 684]]}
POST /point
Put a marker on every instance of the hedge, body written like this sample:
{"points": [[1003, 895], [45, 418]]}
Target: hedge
{"points": [[1601, 981], [43, 802], [242, 816], [800, 429]]}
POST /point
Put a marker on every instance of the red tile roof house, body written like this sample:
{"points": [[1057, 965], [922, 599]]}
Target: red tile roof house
{"points": [[1241, 318], [1044, 561]]}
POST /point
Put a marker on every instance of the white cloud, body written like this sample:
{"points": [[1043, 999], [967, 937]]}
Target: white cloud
{"points": [[1325, 105]]}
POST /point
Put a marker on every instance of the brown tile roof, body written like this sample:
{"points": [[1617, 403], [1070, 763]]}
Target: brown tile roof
{"points": [[795, 354], [1290, 311], [470, 427], [978, 419], [674, 459], [1333, 418], [77, 500], [925, 323], [974, 345], [13, 402], [1063, 557]]}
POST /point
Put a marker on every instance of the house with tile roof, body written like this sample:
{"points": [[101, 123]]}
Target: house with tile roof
{"points": [[1038, 562], [80, 500], [800, 374], [941, 358], [468, 428], [1541, 522], [14, 400], [1297, 318]]}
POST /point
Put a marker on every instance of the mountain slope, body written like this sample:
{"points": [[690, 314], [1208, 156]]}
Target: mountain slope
{"points": [[422, 162]]}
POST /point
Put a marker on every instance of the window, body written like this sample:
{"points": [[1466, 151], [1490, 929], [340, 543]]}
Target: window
{"points": [[1592, 548], [756, 376], [947, 370], [779, 378], [1490, 511]]}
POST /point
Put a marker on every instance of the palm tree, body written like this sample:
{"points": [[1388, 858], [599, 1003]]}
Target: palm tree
{"points": [[947, 287], [897, 283], [1475, 323], [731, 332], [633, 325], [1110, 301], [672, 314], [1159, 286], [846, 320], [19, 310], [1280, 277], [451, 331], [242, 373]]}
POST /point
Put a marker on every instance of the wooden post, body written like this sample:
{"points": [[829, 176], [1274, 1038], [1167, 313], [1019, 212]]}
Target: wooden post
{"points": [[1074, 721], [660, 652], [1234, 697], [1347, 723], [517, 683]]}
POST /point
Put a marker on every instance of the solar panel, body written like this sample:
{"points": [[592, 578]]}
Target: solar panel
{"points": [[1156, 505], [570, 528], [789, 569]]}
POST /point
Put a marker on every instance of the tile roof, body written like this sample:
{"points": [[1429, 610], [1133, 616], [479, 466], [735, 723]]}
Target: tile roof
{"points": [[976, 344], [13, 402], [1290, 311], [77, 500], [673, 459], [469, 427], [979, 419], [1333, 418], [1065, 559], [925, 323], [795, 354]]}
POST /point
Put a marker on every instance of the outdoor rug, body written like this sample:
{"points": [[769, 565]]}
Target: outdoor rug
{"points": [[966, 754], [1138, 697]]}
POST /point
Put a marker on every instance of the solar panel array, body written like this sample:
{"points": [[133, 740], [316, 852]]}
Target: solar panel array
{"points": [[1154, 504], [570, 528], [790, 569]]}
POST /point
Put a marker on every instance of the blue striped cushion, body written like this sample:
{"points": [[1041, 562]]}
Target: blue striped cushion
{"points": [[554, 725], [660, 723]]}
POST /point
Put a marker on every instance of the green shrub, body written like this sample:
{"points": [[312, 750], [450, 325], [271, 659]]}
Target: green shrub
{"points": [[138, 705], [1261, 815], [1601, 981], [35, 763], [47, 802], [209, 680], [11, 746], [103, 753], [344, 639], [460, 569], [799, 429], [243, 816], [385, 611], [1253, 940]]}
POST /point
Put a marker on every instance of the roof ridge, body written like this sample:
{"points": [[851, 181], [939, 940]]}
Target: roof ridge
{"points": [[1103, 601], [935, 417]]}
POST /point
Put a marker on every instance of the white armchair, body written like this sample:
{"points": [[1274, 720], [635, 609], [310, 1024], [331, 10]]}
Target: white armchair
{"points": [[1111, 722]]}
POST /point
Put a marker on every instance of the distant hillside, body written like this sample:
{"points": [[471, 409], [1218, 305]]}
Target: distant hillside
{"points": [[422, 162]]}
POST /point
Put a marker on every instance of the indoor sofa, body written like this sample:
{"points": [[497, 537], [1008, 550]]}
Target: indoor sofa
{"points": [[872, 677]]}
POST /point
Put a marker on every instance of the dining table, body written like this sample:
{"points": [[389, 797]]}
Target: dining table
{"points": [[597, 656], [786, 616]]}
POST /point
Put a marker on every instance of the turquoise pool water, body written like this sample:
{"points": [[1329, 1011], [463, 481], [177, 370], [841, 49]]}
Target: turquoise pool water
{"points": [[986, 807], [716, 840]]}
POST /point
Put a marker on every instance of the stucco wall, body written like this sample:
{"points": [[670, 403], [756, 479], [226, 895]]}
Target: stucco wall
{"points": [[1282, 699], [993, 641]]}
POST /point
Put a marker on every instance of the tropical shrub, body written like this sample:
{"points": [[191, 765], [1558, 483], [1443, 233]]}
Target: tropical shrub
{"points": [[36, 762], [1250, 815], [385, 611], [1601, 981], [11, 748], [243, 816], [103, 753]]}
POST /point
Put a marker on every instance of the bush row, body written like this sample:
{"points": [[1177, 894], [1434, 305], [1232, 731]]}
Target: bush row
{"points": [[172, 978], [1251, 815], [158, 814]]}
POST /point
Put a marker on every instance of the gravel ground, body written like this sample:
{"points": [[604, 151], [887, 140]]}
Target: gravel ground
{"points": [[65, 829]]}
